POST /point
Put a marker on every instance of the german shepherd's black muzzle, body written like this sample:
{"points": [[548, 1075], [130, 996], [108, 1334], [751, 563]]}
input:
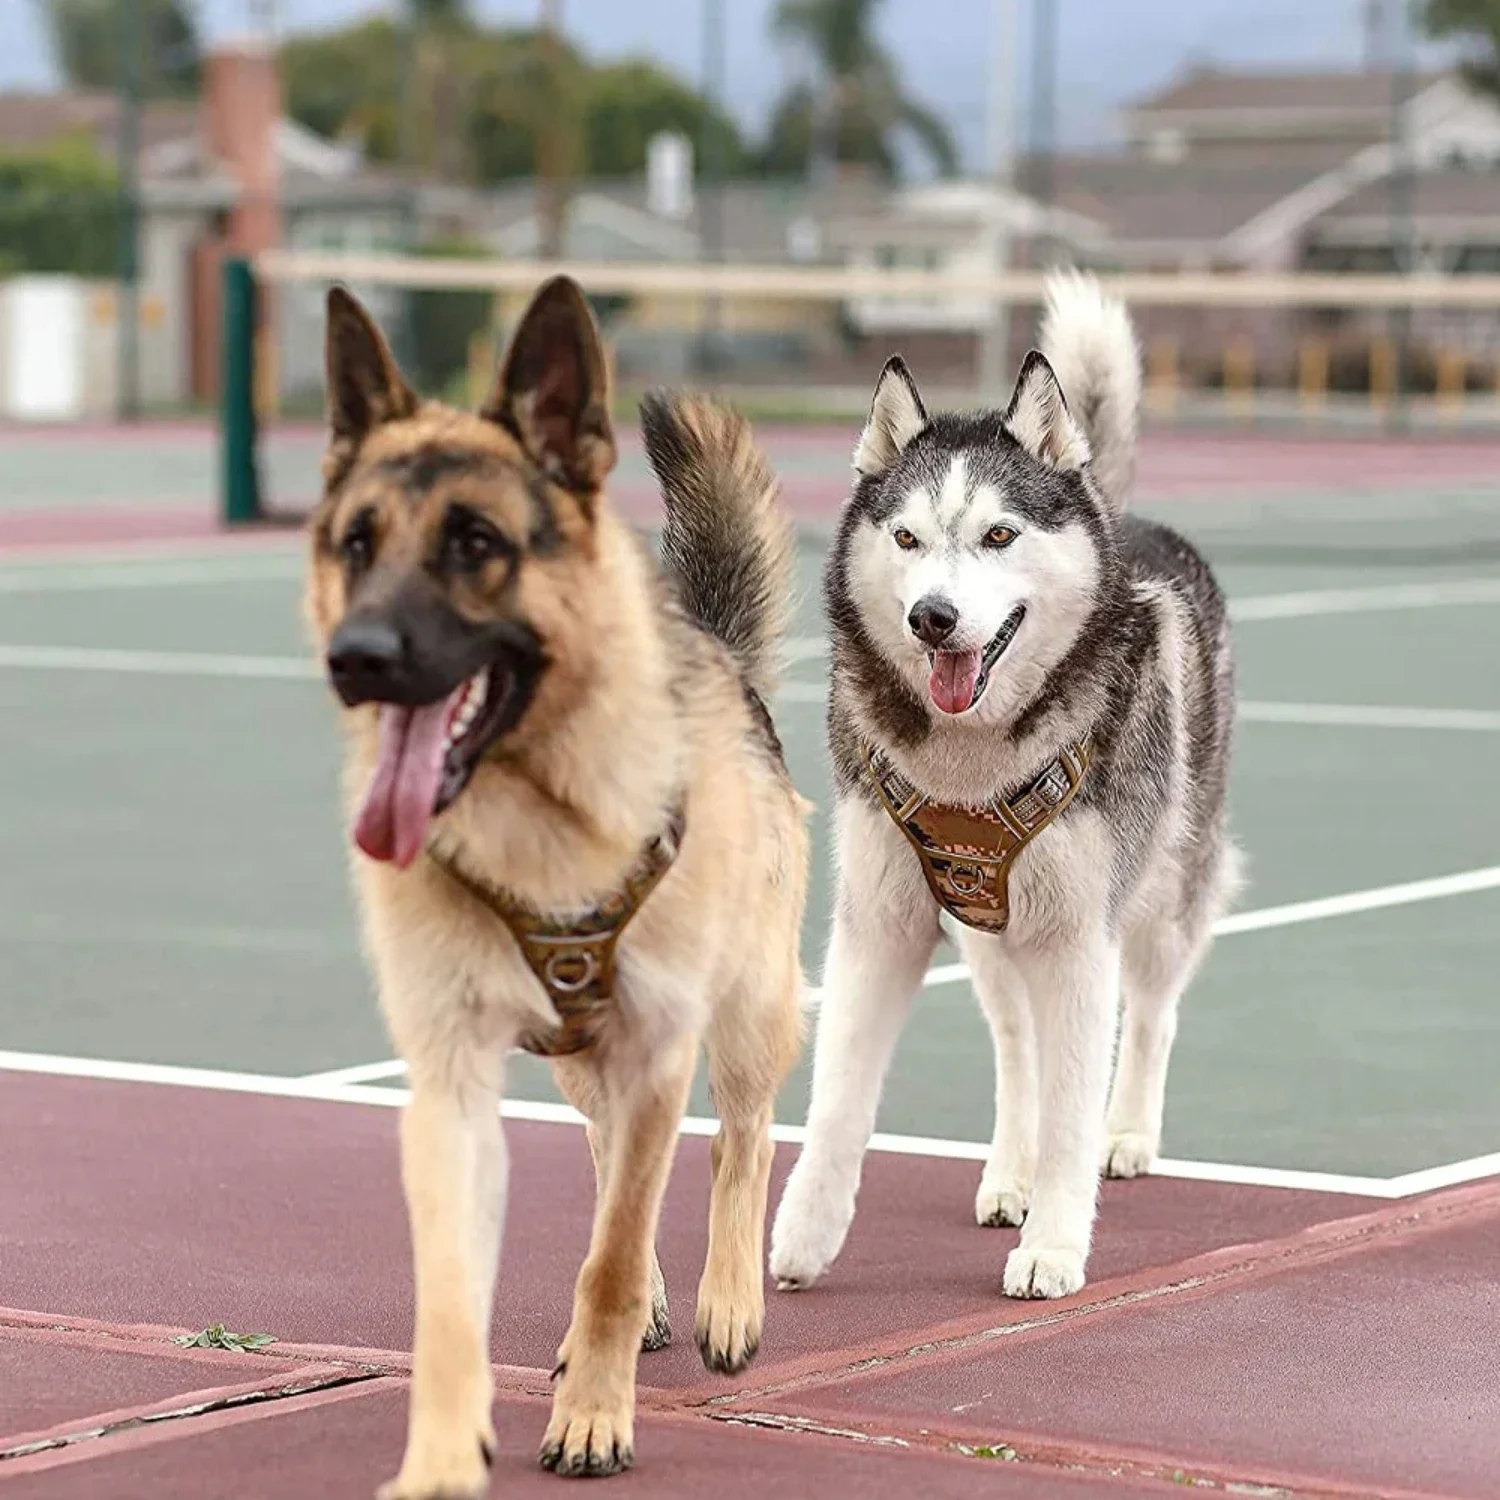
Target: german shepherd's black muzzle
{"points": [[414, 648]]}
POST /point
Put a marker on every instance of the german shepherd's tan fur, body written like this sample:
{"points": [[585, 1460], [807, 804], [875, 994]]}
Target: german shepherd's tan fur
{"points": [[651, 697]]}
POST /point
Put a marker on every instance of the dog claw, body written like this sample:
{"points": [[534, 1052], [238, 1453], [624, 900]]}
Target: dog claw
{"points": [[726, 1361], [658, 1331], [586, 1462]]}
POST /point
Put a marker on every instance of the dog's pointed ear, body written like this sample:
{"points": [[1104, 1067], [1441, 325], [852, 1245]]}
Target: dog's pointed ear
{"points": [[896, 417], [365, 388], [1039, 420], [551, 393]]}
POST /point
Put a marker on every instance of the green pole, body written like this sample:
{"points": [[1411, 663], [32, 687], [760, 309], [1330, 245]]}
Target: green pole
{"points": [[241, 492], [128, 269], [1402, 194], [711, 173]]}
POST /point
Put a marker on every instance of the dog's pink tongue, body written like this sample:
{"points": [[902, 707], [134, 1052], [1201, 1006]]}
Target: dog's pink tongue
{"points": [[392, 821], [954, 677]]}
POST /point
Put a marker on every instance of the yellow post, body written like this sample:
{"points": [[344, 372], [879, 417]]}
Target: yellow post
{"points": [[481, 366], [1161, 385], [1239, 376], [1382, 373], [1452, 376], [1312, 375], [267, 395]]}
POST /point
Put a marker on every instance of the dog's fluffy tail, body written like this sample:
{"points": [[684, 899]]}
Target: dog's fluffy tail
{"points": [[728, 540], [1088, 340]]}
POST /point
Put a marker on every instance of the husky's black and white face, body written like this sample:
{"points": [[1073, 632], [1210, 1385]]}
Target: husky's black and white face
{"points": [[970, 549]]}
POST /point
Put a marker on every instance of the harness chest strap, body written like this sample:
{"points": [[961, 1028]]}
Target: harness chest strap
{"points": [[966, 853], [574, 960]]}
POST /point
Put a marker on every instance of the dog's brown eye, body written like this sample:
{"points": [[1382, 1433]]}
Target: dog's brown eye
{"points": [[358, 545], [999, 536], [904, 539], [471, 541]]}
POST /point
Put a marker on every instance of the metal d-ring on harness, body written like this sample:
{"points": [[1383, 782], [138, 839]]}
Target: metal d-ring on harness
{"points": [[966, 853], [574, 959]]}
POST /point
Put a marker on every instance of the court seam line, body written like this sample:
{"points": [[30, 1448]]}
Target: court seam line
{"points": [[545, 1112]]}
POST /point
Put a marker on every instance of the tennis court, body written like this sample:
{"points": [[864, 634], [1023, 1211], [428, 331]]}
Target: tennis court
{"points": [[198, 1089]]}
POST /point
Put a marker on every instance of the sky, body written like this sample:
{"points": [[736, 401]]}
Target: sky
{"points": [[1110, 50]]}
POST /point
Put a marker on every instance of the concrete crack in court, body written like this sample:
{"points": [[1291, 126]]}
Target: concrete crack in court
{"points": [[298, 1387], [1332, 1240], [1063, 1458]]}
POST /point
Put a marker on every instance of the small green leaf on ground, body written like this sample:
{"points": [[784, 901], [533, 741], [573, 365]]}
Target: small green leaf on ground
{"points": [[1001, 1451], [217, 1336]]}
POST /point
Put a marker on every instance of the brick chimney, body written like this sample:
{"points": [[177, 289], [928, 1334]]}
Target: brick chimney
{"points": [[241, 109]]}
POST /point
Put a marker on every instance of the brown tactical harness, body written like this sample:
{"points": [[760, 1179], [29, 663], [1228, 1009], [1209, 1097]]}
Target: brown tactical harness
{"points": [[966, 853], [574, 960]]}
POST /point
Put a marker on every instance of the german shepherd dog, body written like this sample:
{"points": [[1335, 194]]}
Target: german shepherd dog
{"points": [[532, 705]]}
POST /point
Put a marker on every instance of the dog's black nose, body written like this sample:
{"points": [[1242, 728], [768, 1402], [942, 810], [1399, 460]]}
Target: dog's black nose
{"points": [[932, 619], [364, 658]]}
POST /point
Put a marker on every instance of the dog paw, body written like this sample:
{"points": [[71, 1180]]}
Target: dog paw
{"points": [[1128, 1153], [588, 1438], [659, 1330], [729, 1325], [1000, 1202], [452, 1467], [809, 1231], [1043, 1271]]}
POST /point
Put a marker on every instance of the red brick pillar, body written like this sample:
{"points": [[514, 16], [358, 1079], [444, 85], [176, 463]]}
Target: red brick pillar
{"points": [[239, 115], [241, 109]]}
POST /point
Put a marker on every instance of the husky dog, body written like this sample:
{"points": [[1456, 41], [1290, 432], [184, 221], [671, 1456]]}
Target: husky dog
{"points": [[995, 614], [577, 834]]}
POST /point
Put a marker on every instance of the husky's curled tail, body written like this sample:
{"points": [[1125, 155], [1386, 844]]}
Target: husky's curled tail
{"points": [[728, 540], [1090, 344]]}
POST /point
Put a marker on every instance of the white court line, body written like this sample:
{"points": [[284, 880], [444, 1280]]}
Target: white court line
{"points": [[1332, 715], [156, 663], [359, 1073], [51, 579], [1463, 884], [304, 669], [1302, 605], [1388, 596], [1429, 1178], [539, 1110], [1371, 716], [105, 556]]}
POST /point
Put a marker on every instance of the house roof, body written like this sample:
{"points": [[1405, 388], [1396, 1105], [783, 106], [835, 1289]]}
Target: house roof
{"points": [[757, 220], [1453, 194], [1208, 90], [30, 119], [1144, 203]]}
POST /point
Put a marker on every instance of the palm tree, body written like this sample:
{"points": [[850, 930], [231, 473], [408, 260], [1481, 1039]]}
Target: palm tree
{"points": [[857, 107]]}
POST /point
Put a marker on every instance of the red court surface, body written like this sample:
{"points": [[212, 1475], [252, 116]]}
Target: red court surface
{"points": [[1244, 1340], [813, 463]]}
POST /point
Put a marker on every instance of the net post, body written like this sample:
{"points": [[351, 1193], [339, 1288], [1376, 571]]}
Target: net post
{"points": [[240, 497]]}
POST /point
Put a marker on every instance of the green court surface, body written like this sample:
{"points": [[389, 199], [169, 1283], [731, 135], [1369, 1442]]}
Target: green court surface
{"points": [[173, 890]]}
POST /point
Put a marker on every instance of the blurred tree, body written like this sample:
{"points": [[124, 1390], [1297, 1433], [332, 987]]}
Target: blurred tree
{"points": [[86, 40], [443, 321], [58, 207], [505, 88], [1474, 22], [629, 102], [525, 85], [857, 108], [347, 83]]}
